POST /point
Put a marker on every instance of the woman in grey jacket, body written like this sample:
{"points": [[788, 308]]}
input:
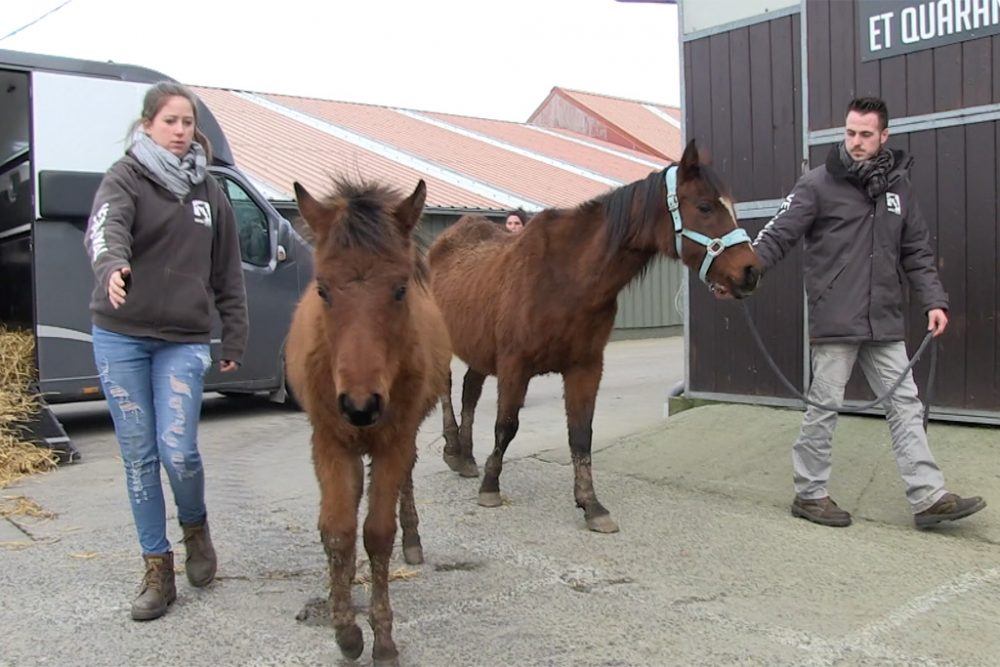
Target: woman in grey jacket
{"points": [[863, 230], [163, 244]]}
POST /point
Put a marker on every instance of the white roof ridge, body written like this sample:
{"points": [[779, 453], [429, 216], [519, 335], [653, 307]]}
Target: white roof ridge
{"points": [[662, 115]]}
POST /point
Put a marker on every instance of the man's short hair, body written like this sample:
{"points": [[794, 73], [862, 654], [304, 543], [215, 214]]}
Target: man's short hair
{"points": [[871, 105]]}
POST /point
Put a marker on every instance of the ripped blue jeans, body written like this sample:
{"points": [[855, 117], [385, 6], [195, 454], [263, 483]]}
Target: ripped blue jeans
{"points": [[154, 390]]}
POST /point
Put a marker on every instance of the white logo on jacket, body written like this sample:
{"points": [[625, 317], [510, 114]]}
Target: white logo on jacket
{"points": [[99, 245], [202, 212], [893, 203], [785, 205]]}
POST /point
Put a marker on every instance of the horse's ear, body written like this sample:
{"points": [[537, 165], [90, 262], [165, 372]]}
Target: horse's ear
{"points": [[410, 209], [689, 165], [310, 209]]}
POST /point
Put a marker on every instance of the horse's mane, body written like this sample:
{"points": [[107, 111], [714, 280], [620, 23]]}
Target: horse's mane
{"points": [[364, 224], [631, 209], [619, 207]]}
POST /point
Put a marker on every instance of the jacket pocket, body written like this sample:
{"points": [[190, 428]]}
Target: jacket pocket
{"points": [[824, 290], [184, 305]]}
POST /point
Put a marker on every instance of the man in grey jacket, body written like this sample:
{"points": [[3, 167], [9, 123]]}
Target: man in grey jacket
{"points": [[863, 230]]}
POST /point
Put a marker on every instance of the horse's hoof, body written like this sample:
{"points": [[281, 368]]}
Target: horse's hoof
{"points": [[385, 655], [454, 462], [385, 662], [413, 555], [465, 466], [350, 641], [489, 499], [468, 468], [602, 524]]}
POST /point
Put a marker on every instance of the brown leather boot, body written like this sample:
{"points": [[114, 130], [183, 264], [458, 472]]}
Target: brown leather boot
{"points": [[950, 507], [158, 590], [199, 559], [822, 511]]}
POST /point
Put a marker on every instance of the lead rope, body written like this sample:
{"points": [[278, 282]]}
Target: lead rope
{"points": [[928, 339]]}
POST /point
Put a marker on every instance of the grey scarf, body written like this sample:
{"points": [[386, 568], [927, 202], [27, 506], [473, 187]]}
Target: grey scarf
{"points": [[177, 174], [873, 173]]}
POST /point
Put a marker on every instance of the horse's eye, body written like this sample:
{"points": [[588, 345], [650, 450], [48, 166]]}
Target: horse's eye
{"points": [[705, 207], [400, 293], [324, 293]]}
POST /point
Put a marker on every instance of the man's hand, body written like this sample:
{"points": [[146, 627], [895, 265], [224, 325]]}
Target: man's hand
{"points": [[227, 366], [937, 321]]}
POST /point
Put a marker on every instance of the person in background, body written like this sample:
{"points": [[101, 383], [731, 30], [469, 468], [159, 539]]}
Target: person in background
{"points": [[164, 248], [516, 220], [863, 232]]}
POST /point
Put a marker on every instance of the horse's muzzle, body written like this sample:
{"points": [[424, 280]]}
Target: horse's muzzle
{"points": [[365, 415], [751, 278]]}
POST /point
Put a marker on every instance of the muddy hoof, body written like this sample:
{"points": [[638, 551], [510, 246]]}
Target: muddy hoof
{"points": [[489, 499], [602, 524], [413, 555], [385, 654], [385, 662], [464, 466], [350, 641]]}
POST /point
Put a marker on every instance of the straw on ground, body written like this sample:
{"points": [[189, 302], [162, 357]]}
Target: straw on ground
{"points": [[18, 456]]}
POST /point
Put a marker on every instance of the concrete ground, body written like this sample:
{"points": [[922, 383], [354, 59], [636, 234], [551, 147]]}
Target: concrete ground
{"points": [[709, 567]]}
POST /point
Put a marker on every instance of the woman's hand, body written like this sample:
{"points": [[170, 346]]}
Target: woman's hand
{"points": [[227, 366], [117, 288]]}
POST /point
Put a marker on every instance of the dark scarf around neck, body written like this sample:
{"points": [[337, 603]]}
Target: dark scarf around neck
{"points": [[873, 174]]}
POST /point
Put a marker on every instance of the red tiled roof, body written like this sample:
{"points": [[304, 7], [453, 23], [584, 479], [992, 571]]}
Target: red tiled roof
{"points": [[279, 151], [614, 162], [506, 170], [466, 162]]}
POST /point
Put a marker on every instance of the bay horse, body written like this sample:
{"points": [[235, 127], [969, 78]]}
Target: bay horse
{"points": [[368, 357], [544, 301]]}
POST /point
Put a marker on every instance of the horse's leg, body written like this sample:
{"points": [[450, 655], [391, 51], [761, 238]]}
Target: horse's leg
{"points": [[452, 448], [388, 474], [340, 476], [512, 386], [472, 388], [413, 552], [580, 387]]}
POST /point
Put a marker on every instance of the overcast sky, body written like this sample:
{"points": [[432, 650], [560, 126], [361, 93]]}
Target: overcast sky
{"points": [[494, 59]]}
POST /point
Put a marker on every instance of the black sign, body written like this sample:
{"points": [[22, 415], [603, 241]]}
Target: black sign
{"points": [[891, 27]]}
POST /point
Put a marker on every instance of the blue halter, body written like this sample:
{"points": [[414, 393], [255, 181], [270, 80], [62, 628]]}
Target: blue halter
{"points": [[713, 247]]}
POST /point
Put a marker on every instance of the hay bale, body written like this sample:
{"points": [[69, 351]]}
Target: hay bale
{"points": [[18, 401]]}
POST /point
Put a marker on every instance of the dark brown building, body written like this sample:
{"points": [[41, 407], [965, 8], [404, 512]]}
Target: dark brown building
{"points": [[766, 83]]}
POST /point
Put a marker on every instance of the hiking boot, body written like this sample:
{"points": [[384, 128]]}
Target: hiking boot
{"points": [[158, 590], [199, 555], [950, 507], [822, 511]]}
